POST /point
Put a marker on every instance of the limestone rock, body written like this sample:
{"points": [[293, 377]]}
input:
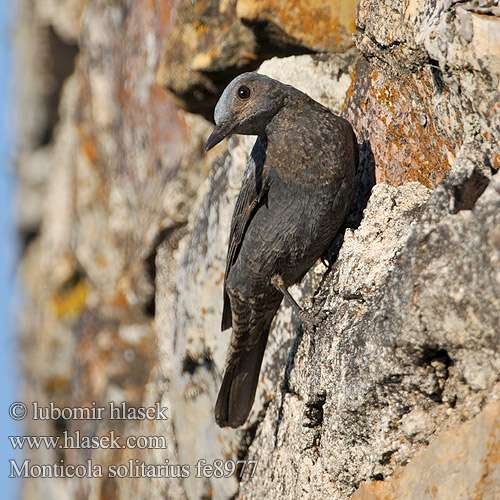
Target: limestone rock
{"points": [[211, 42], [321, 25], [397, 342], [120, 206], [114, 177], [461, 463], [431, 86]]}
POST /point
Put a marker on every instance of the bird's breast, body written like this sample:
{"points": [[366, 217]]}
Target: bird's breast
{"points": [[289, 231]]}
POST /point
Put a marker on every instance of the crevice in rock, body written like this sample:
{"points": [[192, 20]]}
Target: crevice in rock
{"points": [[381, 54], [365, 180], [439, 361], [60, 427], [272, 41], [26, 237], [286, 380], [60, 64], [437, 75], [386, 458], [466, 194], [431, 353], [247, 438], [191, 365], [149, 308], [313, 412]]}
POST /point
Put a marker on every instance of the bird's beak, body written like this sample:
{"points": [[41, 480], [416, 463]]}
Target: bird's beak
{"points": [[221, 131]]}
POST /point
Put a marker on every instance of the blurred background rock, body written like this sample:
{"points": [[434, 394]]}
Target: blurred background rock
{"points": [[123, 225]]}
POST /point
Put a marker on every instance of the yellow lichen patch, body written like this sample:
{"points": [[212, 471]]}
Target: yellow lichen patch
{"points": [[70, 302], [57, 384], [199, 28]]}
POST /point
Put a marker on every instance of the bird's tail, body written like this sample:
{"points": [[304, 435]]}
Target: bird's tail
{"points": [[240, 381]]}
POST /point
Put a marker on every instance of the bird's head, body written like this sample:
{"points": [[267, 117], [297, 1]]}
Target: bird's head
{"points": [[246, 106]]}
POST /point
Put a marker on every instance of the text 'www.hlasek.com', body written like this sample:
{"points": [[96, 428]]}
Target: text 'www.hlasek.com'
{"points": [[76, 439]]}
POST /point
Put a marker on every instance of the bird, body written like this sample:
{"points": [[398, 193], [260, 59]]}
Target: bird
{"points": [[297, 189]]}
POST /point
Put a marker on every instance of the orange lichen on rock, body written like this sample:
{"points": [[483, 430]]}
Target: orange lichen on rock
{"points": [[412, 146], [89, 149], [398, 123], [496, 161], [350, 90], [320, 24]]}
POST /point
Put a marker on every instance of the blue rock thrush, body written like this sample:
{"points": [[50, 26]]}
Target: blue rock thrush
{"points": [[296, 191]]}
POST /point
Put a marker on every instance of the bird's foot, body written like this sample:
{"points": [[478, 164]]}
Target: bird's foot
{"points": [[307, 319], [310, 321]]}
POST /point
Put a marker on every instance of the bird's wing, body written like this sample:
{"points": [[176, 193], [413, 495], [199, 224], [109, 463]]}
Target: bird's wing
{"points": [[251, 193]]}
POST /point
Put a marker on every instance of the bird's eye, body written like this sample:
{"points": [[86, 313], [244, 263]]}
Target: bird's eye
{"points": [[243, 92]]}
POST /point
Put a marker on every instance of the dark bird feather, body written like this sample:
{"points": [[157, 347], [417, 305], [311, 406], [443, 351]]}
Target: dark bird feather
{"points": [[297, 189]]}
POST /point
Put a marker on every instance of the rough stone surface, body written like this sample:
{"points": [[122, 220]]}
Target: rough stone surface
{"points": [[107, 170], [188, 321], [212, 41], [389, 351], [461, 463], [124, 224], [429, 86], [318, 24]]}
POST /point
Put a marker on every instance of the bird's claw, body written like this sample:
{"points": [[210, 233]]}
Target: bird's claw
{"points": [[307, 319], [310, 321]]}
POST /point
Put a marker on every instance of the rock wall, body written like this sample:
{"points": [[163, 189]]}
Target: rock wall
{"points": [[125, 223]]}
